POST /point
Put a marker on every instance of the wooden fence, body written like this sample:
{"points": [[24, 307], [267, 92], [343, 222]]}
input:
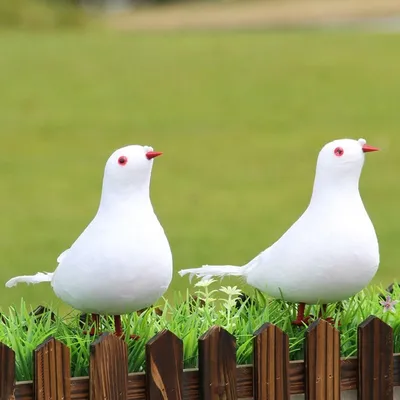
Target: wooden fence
{"points": [[321, 376]]}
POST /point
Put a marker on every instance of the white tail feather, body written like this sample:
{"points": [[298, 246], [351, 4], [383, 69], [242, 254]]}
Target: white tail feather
{"points": [[37, 278], [208, 271]]}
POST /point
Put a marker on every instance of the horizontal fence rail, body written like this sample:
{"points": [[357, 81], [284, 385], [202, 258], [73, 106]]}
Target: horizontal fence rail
{"points": [[322, 375]]}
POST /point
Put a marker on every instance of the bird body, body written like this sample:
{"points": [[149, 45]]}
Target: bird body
{"points": [[331, 252], [114, 267], [122, 261], [319, 260]]}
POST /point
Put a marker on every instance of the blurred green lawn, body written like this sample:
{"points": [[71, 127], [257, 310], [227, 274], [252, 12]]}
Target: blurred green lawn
{"points": [[240, 117]]}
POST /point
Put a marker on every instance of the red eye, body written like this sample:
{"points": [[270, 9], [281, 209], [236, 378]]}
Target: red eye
{"points": [[339, 152], [122, 160]]}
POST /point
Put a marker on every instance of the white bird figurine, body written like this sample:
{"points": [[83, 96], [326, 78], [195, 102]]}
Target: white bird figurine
{"points": [[331, 252], [122, 261]]}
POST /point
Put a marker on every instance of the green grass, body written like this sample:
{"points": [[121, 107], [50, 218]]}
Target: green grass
{"points": [[189, 319], [240, 117], [41, 15]]}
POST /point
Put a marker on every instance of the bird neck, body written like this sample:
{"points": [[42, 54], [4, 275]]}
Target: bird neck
{"points": [[344, 193], [126, 199]]}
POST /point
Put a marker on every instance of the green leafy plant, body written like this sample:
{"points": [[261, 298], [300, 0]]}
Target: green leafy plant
{"points": [[189, 316]]}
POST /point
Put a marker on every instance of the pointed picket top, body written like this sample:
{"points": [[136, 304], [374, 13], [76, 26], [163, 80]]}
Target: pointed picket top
{"points": [[52, 376], [165, 336], [217, 332], [164, 367], [217, 365], [7, 372], [40, 311], [108, 369], [83, 320], [271, 363], [322, 361], [375, 359], [109, 339], [389, 290], [373, 323]]}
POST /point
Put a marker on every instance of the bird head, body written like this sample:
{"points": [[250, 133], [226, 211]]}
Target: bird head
{"points": [[340, 163], [129, 168]]}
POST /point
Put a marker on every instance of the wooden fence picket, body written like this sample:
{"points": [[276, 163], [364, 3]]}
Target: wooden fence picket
{"points": [[375, 360], [108, 370], [322, 362], [7, 372], [217, 365], [52, 376], [164, 367], [271, 364]]}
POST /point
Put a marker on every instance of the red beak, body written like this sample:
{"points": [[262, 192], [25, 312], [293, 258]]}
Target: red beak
{"points": [[366, 148], [152, 154]]}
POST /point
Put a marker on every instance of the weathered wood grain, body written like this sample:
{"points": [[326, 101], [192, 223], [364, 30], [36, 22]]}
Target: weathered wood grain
{"points": [[52, 376], [7, 372], [271, 364], [217, 365], [108, 370], [322, 362], [164, 367], [375, 360]]}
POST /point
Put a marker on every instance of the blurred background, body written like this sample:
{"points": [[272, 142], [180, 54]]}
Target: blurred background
{"points": [[239, 95]]}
